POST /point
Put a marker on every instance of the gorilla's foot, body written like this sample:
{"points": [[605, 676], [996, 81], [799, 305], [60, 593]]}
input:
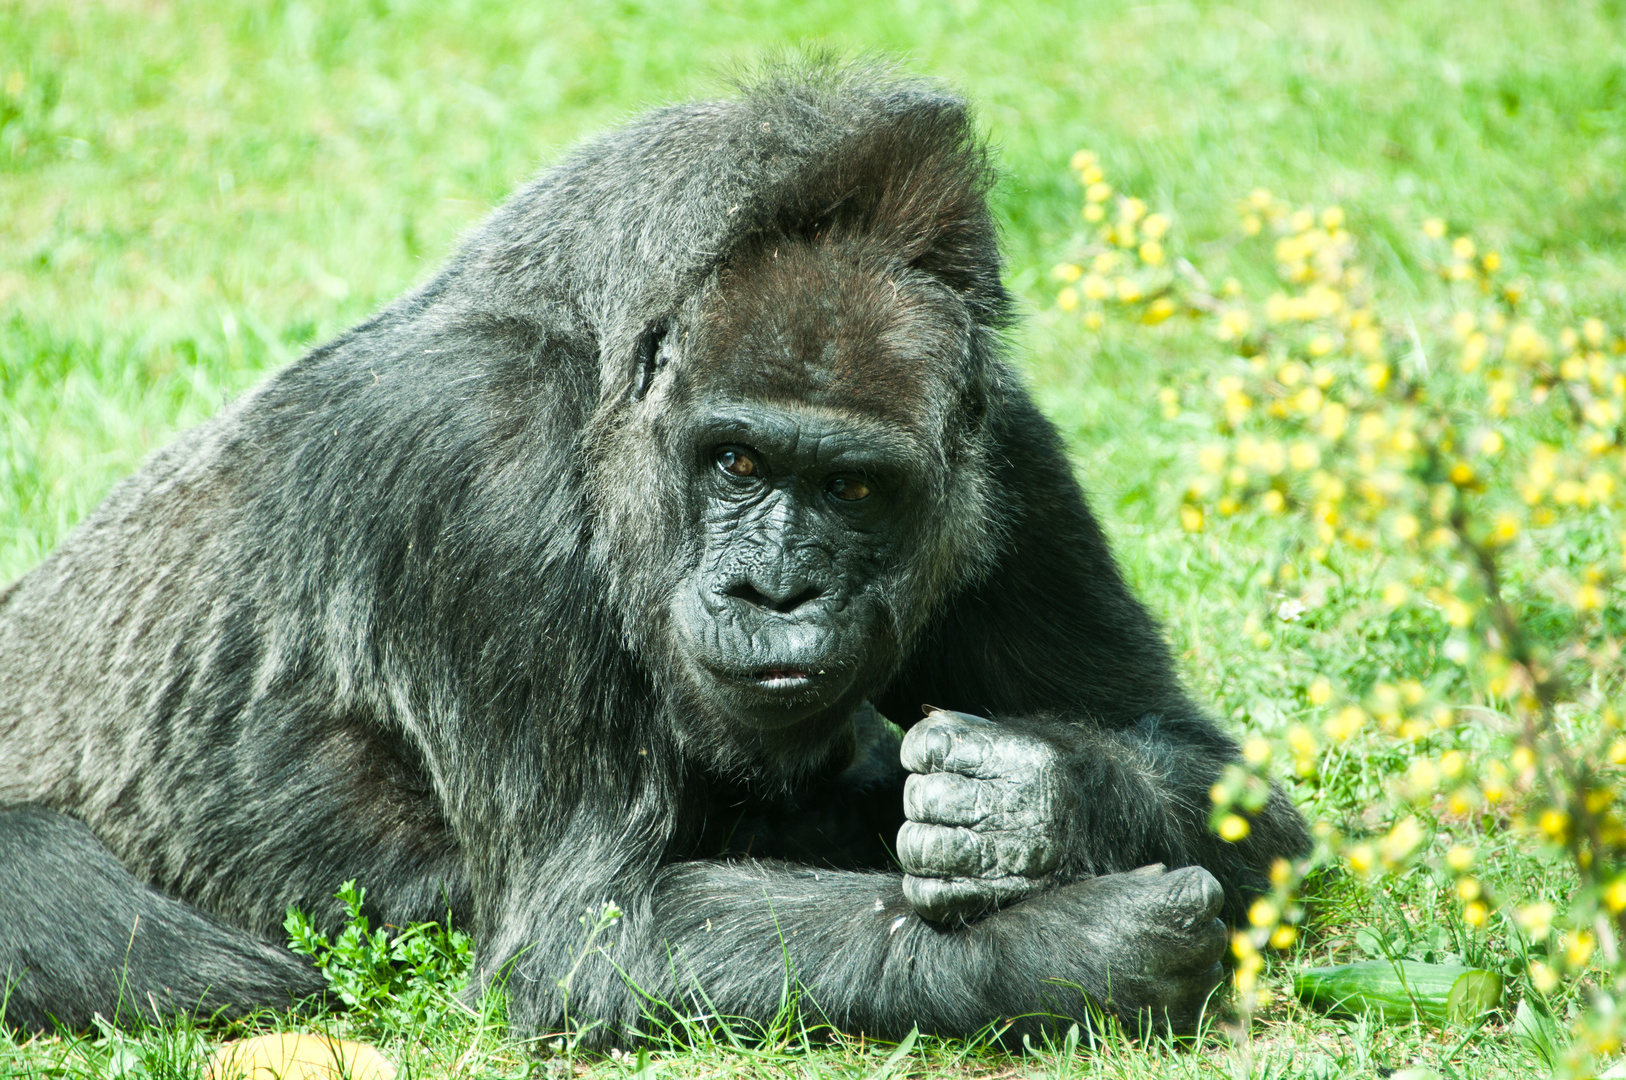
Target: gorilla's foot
{"points": [[1146, 944]]}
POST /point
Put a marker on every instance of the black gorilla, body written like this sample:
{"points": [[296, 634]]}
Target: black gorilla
{"points": [[571, 578]]}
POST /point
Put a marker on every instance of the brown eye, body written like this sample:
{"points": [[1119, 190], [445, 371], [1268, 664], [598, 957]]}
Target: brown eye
{"points": [[849, 490], [735, 462]]}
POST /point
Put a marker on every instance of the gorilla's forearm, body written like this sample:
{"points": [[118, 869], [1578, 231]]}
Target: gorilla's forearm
{"points": [[743, 939]]}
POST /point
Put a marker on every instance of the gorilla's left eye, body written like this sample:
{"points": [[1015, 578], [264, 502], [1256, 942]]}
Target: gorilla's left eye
{"points": [[849, 489]]}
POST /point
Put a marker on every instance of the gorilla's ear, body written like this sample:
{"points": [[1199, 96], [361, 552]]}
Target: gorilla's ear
{"points": [[649, 356]]}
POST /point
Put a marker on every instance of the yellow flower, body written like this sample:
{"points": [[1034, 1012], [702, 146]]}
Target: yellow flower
{"points": [[1211, 458], [1332, 218], [1462, 248], [1067, 299], [1433, 228], [1460, 858], [1191, 518], [1272, 502], [1151, 253], [1377, 375], [1067, 272], [1264, 913], [1234, 828], [1096, 287], [1593, 330], [1475, 914], [1406, 527], [1156, 226], [1588, 598], [1578, 950], [1402, 840], [1452, 762], [1256, 751], [1157, 311], [1342, 726], [1468, 889], [1395, 594], [1491, 443], [1093, 212], [1361, 858], [1083, 159], [1544, 977], [1128, 289], [1614, 897], [1491, 261], [1098, 192], [1554, 822], [1283, 937], [1093, 320], [1320, 691], [1537, 919], [1321, 345]]}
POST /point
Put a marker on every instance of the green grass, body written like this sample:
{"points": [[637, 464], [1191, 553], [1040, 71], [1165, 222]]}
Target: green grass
{"points": [[191, 193]]}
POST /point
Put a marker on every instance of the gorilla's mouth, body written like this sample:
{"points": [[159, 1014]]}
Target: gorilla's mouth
{"points": [[782, 678]]}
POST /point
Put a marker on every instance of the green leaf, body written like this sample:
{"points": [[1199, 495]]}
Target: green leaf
{"points": [[1474, 994]]}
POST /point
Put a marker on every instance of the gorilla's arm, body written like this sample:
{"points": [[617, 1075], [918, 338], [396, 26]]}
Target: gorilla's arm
{"points": [[744, 937], [1098, 762]]}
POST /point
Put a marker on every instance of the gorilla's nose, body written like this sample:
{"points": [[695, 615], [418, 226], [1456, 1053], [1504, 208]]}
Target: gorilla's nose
{"points": [[783, 595]]}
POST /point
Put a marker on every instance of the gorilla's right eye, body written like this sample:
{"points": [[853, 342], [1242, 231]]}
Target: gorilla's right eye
{"points": [[736, 462]]}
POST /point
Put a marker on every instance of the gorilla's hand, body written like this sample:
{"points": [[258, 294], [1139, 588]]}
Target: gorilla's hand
{"points": [[985, 815]]}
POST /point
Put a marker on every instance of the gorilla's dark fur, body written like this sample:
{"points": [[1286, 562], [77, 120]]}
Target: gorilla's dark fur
{"points": [[569, 578]]}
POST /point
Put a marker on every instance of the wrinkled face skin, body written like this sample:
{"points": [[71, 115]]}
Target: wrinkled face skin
{"points": [[799, 515], [820, 397]]}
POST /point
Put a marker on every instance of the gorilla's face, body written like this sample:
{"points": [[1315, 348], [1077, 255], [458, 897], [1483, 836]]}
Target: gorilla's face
{"points": [[812, 483], [799, 513]]}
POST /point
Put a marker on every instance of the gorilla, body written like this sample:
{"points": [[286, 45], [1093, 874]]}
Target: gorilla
{"points": [[589, 571]]}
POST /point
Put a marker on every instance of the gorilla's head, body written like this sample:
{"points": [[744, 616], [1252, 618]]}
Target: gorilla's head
{"points": [[813, 422]]}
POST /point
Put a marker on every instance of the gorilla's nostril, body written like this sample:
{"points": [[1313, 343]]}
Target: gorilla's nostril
{"points": [[784, 602]]}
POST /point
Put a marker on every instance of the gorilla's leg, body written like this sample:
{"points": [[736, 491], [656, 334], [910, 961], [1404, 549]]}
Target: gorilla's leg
{"points": [[79, 935], [1002, 810]]}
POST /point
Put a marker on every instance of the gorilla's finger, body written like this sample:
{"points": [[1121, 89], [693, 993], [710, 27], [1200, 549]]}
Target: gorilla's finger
{"points": [[953, 742], [947, 899], [943, 851], [947, 798]]}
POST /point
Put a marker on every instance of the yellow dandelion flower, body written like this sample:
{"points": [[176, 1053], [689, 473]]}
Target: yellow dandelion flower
{"points": [[1554, 822], [1234, 828], [1578, 950], [1376, 375], [1332, 218], [1342, 726], [1460, 858], [1283, 937], [1191, 518], [1462, 248], [1156, 226], [1406, 527], [1260, 199], [1475, 914], [1462, 324], [1434, 228], [1096, 287], [1319, 692], [1588, 598], [1614, 897], [1536, 919], [1264, 913], [1151, 253], [1593, 330], [1067, 299], [1083, 159], [1468, 888], [1067, 272], [1491, 261], [1543, 976], [1491, 443], [1157, 311], [1402, 840], [1128, 289], [1098, 192], [1256, 751], [1272, 502], [1395, 594], [1094, 213], [1093, 320], [1361, 858]]}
